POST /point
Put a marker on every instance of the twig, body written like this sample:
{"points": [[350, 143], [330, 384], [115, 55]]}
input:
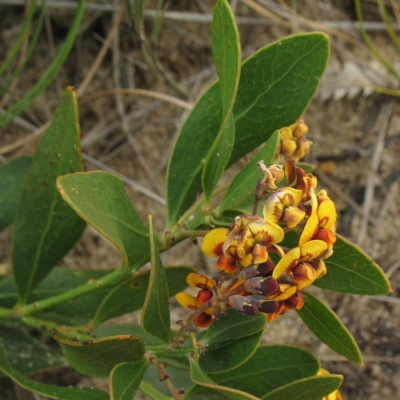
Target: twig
{"points": [[207, 17], [142, 92], [18, 143], [392, 269], [102, 130], [386, 299], [370, 186], [165, 378], [366, 359], [96, 64]]}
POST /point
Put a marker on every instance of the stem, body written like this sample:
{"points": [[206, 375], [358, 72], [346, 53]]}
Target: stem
{"points": [[73, 333], [6, 312], [225, 294], [188, 321], [112, 278], [165, 351], [195, 347], [165, 378]]}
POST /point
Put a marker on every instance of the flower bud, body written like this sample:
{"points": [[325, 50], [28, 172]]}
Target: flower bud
{"points": [[244, 304], [265, 286], [269, 306]]}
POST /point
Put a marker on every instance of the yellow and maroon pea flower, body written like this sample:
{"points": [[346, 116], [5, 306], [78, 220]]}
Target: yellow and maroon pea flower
{"points": [[298, 263], [205, 294], [335, 395], [282, 206], [249, 238], [321, 225], [200, 281], [289, 297], [212, 246]]}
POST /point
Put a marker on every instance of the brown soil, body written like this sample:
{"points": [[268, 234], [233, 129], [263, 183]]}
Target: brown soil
{"points": [[345, 133]]}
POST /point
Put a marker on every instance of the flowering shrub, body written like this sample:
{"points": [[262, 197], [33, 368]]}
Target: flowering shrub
{"points": [[273, 234]]}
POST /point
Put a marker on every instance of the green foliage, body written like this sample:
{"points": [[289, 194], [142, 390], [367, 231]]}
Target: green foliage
{"points": [[227, 59], [199, 377], [100, 199], [45, 226], [129, 295], [12, 175], [155, 314], [26, 354], [242, 186], [264, 103], [125, 379], [325, 324], [313, 388], [50, 198], [350, 270], [51, 391], [97, 357]]}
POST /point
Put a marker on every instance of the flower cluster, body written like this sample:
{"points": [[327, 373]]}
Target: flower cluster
{"points": [[265, 262], [293, 143]]}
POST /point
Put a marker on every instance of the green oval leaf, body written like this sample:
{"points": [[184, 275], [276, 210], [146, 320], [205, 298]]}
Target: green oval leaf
{"points": [[101, 200], [12, 176], [225, 356], [276, 85], [328, 328], [155, 314], [97, 357], [232, 326], [269, 368], [45, 226], [27, 354], [53, 392], [350, 270], [129, 295], [199, 377], [125, 379], [313, 388], [227, 58], [243, 185]]}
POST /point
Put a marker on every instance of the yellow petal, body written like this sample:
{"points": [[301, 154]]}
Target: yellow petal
{"points": [[292, 216], [186, 300], [290, 196], [285, 134], [289, 292], [312, 249], [327, 214], [273, 209], [290, 259], [213, 241], [288, 147], [260, 254], [310, 229], [265, 232], [245, 262], [200, 281]]}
